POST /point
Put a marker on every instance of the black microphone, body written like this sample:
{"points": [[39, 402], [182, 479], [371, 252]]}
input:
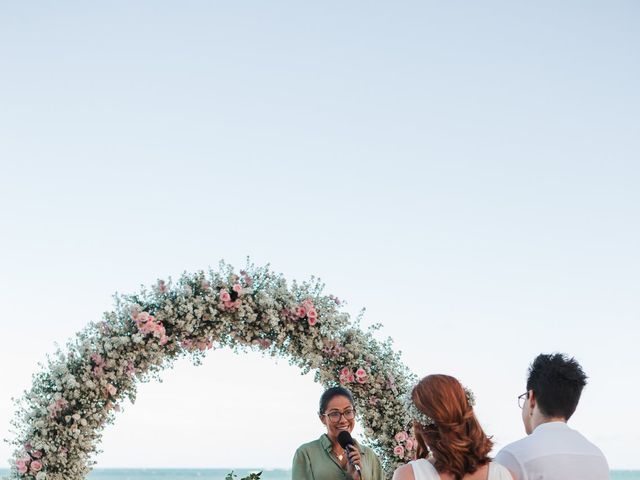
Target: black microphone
{"points": [[345, 441]]}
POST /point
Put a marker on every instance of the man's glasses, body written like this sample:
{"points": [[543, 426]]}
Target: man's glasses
{"points": [[522, 398], [335, 416]]}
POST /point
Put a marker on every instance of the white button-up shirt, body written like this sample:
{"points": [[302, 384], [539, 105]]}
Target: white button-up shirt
{"points": [[554, 451]]}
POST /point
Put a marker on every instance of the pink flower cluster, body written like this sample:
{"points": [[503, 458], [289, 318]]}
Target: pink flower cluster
{"points": [[333, 349], [98, 364], [202, 345], [226, 297], [262, 342], [347, 376], [111, 390], [147, 324], [405, 446], [162, 286], [56, 407], [307, 310], [30, 463], [130, 369], [247, 279]]}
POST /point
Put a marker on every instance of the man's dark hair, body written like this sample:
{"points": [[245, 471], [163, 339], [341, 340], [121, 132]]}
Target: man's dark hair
{"points": [[332, 392], [557, 382]]}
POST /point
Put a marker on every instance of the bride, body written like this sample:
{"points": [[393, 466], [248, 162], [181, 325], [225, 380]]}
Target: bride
{"points": [[446, 426]]}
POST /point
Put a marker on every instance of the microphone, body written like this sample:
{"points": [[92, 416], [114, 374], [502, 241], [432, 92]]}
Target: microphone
{"points": [[345, 440]]}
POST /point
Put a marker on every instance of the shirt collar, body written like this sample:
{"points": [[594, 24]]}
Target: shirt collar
{"points": [[548, 426], [326, 443]]}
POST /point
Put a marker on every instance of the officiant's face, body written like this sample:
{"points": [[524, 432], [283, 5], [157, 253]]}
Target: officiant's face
{"points": [[338, 405]]}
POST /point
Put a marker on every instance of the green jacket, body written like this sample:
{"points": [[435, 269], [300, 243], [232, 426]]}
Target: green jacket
{"points": [[313, 461]]}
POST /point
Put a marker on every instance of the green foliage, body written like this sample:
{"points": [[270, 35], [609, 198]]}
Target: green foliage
{"points": [[252, 476]]}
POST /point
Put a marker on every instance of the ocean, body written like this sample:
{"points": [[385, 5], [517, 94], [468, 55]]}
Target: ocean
{"points": [[221, 473], [176, 474]]}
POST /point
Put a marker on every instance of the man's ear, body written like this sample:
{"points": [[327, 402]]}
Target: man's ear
{"points": [[532, 400]]}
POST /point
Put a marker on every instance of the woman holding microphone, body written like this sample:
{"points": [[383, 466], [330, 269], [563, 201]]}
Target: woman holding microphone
{"points": [[325, 458]]}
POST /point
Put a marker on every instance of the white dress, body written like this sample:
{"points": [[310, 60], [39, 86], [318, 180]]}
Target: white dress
{"points": [[424, 470]]}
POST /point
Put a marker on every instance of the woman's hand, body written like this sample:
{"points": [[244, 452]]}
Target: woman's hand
{"points": [[354, 459]]}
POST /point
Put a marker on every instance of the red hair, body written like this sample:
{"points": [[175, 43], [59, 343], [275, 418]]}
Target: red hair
{"points": [[458, 443]]}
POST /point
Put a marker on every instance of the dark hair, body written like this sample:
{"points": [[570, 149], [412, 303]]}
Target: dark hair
{"points": [[557, 382], [332, 392], [456, 438]]}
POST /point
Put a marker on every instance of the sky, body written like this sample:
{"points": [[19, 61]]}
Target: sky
{"points": [[467, 172]]}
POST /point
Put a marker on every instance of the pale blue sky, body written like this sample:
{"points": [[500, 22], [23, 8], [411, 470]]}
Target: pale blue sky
{"points": [[467, 172]]}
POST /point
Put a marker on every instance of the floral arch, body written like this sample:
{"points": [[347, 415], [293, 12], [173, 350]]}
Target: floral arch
{"points": [[59, 422]]}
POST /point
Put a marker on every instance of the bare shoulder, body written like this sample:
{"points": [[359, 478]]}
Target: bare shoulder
{"points": [[404, 472]]}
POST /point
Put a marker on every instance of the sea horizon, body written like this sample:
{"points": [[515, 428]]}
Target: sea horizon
{"points": [[221, 473]]}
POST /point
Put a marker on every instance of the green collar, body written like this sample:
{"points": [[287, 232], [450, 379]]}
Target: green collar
{"points": [[326, 443]]}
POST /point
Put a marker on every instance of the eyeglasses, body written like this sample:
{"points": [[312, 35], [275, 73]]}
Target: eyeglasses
{"points": [[522, 398], [335, 416]]}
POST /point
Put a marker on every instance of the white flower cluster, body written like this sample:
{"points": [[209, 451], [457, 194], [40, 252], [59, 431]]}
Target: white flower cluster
{"points": [[60, 420], [422, 418]]}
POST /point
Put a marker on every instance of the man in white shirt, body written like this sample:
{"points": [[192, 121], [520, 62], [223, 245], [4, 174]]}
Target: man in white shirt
{"points": [[552, 450]]}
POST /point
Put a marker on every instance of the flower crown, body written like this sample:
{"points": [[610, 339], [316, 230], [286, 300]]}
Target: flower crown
{"points": [[425, 420]]}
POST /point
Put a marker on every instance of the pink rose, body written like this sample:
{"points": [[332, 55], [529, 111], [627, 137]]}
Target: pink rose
{"points": [[399, 451], [301, 312], [401, 437], [344, 379], [163, 340], [37, 454], [237, 288], [36, 466], [361, 373], [224, 295], [22, 468], [409, 444], [228, 304], [345, 371], [361, 379], [350, 378], [312, 313], [312, 321]]}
